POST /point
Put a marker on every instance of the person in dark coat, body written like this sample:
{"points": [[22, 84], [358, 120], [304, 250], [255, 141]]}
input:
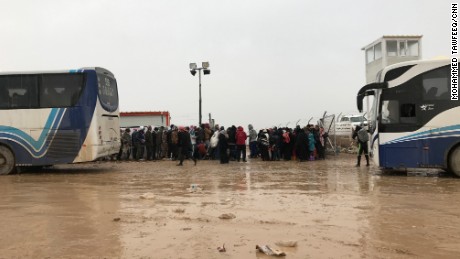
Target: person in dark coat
{"points": [[140, 144], [184, 145], [301, 145], [232, 142], [149, 140], [362, 136], [223, 146], [264, 142], [287, 144], [134, 141]]}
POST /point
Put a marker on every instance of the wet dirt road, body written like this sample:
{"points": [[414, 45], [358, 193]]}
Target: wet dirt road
{"points": [[145, 210]]}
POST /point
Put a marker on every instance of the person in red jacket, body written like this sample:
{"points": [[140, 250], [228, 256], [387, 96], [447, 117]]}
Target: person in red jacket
{"points": [[241, 143]]}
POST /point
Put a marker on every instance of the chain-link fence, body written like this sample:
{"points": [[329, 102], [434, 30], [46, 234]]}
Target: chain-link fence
{"points": [[338, 141]]}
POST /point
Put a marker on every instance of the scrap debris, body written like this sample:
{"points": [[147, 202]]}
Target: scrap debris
{"points": [[289, 243], [221, 248], [270, 251], [227, 216]]}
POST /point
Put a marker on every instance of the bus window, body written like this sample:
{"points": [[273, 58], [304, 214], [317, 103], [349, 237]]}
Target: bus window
{"points": [[30, 84], [408, 113], [15, 91], [4, 95], [108, 93], [436, 84], [390, 112], [18, 91], [59, 90]]}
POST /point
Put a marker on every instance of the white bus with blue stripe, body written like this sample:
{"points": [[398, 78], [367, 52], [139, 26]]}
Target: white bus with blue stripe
{"points": [[413, 121], [57, 117]]}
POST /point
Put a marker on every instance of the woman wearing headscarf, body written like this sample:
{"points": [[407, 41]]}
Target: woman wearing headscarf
{"points": [[264, 143], [223, 145], [184, 144], [311, 145], [301, 145]]}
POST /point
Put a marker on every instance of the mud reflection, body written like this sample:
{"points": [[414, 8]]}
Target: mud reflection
{"points": [[58, 214]]}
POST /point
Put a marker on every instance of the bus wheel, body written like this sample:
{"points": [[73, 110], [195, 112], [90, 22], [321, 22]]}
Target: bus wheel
{"points": [[454, 161], [6, 161]]}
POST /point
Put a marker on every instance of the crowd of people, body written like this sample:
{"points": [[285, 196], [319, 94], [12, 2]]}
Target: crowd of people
{"points": [[224, 144]]}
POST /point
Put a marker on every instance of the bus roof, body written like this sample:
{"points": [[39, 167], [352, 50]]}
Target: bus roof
{"points": [[415, 62], [80, 70], [419, 65]]}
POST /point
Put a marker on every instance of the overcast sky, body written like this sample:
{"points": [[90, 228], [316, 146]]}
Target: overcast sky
{"points": [[272, 62]]}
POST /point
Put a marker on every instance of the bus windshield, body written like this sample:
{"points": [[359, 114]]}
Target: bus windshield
{"points": [[373, 113], [108, 93]]}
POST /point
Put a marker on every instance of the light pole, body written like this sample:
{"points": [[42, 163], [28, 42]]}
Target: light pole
{"points": [[206, 71]]}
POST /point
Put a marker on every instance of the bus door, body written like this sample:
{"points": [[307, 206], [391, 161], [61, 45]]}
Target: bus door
{"points": [[398, 124], [435, 101]]}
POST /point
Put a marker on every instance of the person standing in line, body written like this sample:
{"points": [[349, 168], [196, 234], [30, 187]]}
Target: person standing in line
{"points": [[126, 144], [164, 144], [274, 147], [322, 143], [149, 143], [168, 139], [287, 150], [223, 145], [193, 138], [241, 143], [232, 142], [120, 152], [140, 142], [158, 142], [264, 142], [207, 134], [252, 141], [184, 145], [199, 134], [311, 145], [134, 141], [174, 142], [155, 143], [301, 145], [362, 136], [213, 146]]}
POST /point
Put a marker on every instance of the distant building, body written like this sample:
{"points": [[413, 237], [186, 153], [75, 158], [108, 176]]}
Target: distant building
{"points": [[135, 119], [388, 50]]}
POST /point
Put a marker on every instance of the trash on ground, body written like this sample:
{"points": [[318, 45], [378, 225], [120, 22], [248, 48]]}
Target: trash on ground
{"points": [[227, 216], [221, 248], [179, 210], [194, 188], [289, 243], [116, 219], [270, 251], [147, 196]]}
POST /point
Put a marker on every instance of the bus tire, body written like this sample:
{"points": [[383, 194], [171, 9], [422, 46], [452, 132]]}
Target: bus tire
{"points": [[6, 161], [454, 161]]}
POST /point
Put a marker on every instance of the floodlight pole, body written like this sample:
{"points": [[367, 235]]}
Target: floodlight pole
{"points": [[206, 71], [199, 80]]}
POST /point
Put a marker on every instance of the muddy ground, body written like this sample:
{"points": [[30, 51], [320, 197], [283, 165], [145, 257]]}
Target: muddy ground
{"points": [[147, 210]]}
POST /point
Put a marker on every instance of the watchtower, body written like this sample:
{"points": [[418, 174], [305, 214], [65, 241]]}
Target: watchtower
{"points": [[388, 50]]}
